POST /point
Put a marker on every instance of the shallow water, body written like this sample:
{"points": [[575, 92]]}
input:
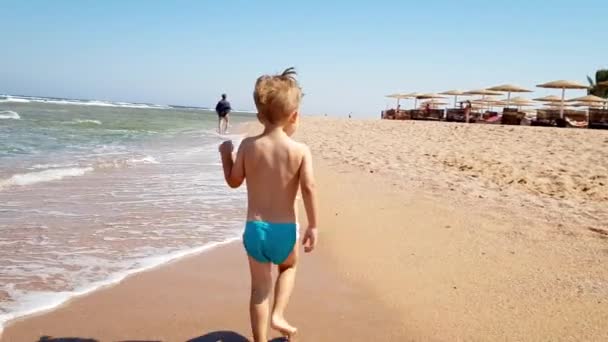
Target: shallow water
{"points": [[90, 193]]}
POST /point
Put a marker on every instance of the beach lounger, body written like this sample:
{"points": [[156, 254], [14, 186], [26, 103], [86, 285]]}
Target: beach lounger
{"points": [[575, 118], [510, 117], [458, 115], [598, 118], [454, 115], [403, 115], [416, 114], [548, 118], [431, 115]]}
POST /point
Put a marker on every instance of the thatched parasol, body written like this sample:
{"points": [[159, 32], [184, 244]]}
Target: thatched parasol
{"points": [[414, 96], [595, 101], [454, 93], [483, 92], [399, 96], [550, 98], [563, 85], [509, 88], [587, 104], [489, 102], [589, 98], [434, 103], [428, 96]]}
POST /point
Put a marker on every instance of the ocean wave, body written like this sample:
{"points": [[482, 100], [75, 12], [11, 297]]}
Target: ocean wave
{"points": [[35, 302], [14, 100], [9, 114], [51, 166], [84, 121], [43, 176], [52, 172], [144, 160], [27, 99]]}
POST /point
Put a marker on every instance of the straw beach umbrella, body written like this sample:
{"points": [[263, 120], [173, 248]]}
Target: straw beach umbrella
{"points": [[550, 99], [589, 98], [520, 99], [428, 96], [587, 104], [398, 96], [414, 96], [555, 106], [435, 103], [509, 88], [454, 93], [483, 92], [592, 100], [520, 102], [487, 102], [563, 85]]}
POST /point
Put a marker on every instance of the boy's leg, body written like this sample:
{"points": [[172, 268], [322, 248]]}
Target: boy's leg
{"points": [[219, 124], [259, 304], [282, 292]]}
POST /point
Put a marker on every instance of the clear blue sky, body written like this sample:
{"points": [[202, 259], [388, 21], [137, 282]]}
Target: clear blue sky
{"points": [[349, 53]]}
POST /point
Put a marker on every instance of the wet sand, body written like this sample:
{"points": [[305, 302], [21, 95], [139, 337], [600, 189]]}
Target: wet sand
{"points": [[198, 298], [423, 238]]}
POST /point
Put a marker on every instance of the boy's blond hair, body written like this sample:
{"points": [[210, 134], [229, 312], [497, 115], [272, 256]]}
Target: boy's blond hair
{"points": [[277, 96]]}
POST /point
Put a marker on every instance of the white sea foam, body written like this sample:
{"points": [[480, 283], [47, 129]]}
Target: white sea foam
{"points": [[14, 99], [51, 166], [9, 114], [86, 121], [37, 302], [43, 176], [144, 160]]}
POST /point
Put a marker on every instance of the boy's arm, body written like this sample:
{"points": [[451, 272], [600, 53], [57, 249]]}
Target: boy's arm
{"points": [[234, 170], [309, 195]]}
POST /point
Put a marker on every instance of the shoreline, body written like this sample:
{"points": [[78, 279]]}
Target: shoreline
{"points": [[64, 298], [204, 298]]}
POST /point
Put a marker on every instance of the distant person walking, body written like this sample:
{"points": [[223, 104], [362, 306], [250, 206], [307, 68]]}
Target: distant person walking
{"points": [[223, 110]]}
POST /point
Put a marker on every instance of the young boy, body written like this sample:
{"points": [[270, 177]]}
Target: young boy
{"points": [[275, 167]]}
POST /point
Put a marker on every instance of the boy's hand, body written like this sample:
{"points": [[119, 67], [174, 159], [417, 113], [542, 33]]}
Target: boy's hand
{"points": [[226, 148], [310, 239]]}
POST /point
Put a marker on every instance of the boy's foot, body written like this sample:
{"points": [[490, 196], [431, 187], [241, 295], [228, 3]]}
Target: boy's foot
{"points": [[280, 324]]}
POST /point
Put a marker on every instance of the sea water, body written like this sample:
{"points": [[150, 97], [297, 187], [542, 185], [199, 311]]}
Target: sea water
{"points": [[92, 191]]}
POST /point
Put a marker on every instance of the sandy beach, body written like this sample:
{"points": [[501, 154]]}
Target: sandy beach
{"points": [[430, 232]]}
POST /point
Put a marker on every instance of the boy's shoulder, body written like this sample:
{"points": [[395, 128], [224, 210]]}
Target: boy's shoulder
{"points": [[298, 146], [249, 143], [246, 143], [302, 147]]}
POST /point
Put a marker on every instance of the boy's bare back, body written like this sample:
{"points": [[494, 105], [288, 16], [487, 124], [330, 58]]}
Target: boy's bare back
{"points": [[273, 164]]}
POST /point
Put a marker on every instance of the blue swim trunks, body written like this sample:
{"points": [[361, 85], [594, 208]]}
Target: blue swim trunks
{"points": [[269, 242]]}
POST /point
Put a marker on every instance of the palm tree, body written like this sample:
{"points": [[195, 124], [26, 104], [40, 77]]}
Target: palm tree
{"points": [[596, 89]]}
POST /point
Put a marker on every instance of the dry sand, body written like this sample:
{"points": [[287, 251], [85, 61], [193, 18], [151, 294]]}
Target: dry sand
{"points": [[471, 232], [430, 232]]}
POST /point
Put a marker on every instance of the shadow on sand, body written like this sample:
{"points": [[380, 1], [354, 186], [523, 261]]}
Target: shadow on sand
{"points": [[216, 336], [66, 339], [80, 339], [227, 336]]}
